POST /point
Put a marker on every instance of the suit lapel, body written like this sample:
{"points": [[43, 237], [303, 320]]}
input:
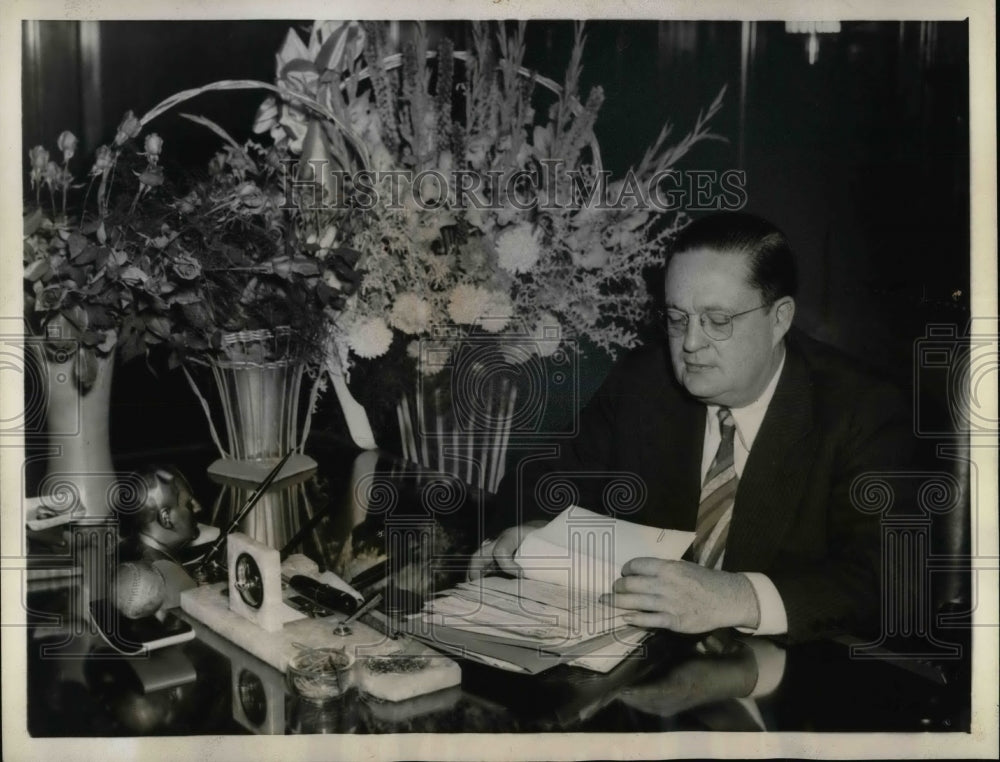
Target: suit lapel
{"points": [[775, 472]]}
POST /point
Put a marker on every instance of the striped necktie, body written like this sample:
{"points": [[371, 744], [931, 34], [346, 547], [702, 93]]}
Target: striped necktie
{"points": [[718, 493]]}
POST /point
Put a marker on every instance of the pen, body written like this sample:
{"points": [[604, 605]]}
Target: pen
{"points": [[241, 514], [343, 629]]}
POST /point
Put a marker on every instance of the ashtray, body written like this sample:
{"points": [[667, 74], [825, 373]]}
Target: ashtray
{"points": [[320, 674]]}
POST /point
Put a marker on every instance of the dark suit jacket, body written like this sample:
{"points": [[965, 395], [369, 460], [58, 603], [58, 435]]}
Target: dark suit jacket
{"points": [[793, 520]]}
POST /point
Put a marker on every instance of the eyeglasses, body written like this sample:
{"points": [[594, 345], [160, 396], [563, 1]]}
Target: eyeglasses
{"points": [[716, 325]]}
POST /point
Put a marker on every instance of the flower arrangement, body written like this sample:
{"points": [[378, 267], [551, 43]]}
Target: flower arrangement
{"points": [[478, 191], [102, 278], [151, 265], [264, 262]]}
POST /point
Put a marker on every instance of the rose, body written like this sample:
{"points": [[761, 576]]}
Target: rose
{"points": [[52, 174], [251, 196], [189, 203], [39, 159], [187, 268], [103, 161], [130, 127], [67, 144], [153, 145], [49, 298]]}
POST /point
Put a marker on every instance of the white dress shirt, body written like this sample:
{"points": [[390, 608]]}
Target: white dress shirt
{"points": [[773, 620]]}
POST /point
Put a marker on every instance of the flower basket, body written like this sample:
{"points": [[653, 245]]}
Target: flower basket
{"points": [[461, 420], [258, 380], [470, 443]]}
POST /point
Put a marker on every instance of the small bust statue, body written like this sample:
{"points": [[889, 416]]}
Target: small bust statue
{"points": [[166, 520]]}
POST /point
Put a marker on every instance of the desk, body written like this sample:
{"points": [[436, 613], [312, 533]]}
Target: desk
{"points": [[366, 502]]}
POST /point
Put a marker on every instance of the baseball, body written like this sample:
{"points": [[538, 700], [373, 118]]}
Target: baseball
{"points": [[139, 589]]}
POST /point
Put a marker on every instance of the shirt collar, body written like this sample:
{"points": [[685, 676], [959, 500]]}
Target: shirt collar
{"points": [[749, 418]]}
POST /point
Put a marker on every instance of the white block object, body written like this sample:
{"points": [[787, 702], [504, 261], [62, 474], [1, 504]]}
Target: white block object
{"points": [[255, 583]]}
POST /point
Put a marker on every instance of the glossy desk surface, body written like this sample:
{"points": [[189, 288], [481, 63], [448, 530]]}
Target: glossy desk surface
{"points": [[359, 505]]}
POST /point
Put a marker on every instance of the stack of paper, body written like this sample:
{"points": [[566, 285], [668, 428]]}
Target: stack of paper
{"points": [[552, 614]]}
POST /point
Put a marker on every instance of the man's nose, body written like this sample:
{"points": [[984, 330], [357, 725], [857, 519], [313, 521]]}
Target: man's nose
{"points": [[694, 336]]}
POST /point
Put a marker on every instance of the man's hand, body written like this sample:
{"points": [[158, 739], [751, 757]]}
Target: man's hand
{"points": [[500, 552], [684, 597]]}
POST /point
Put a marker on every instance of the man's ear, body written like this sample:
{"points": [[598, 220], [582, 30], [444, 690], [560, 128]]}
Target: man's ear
{"points": [[164, 517], [784, 313]]}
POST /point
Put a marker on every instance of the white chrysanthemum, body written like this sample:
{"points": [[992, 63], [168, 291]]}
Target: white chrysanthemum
{"points": [[496, 312], [547, 334], [431, 355], [466, 303], [410, 314], [369, 338], [517, 249], [472, 305], [592, 257]]}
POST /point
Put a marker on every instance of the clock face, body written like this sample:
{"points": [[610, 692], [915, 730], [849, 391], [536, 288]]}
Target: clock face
{"points": [[249, 581], [253, 697]]}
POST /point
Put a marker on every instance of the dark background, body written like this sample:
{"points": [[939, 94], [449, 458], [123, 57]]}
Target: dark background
{"points": [[862, 157]]}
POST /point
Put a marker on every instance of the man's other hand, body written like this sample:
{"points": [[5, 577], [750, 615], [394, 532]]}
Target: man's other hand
{"points": [[499, 553], [684, 597]]}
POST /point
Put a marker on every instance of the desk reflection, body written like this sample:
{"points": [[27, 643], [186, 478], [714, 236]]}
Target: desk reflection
{"points": [[715, 689]]}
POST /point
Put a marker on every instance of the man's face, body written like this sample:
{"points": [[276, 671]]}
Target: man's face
{"points": [[735, 371]]}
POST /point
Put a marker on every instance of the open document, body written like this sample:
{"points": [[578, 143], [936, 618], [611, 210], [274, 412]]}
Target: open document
{"points": [[553, 613]]}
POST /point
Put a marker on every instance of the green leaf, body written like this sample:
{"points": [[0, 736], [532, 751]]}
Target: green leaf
{"points": [[133, 276], [130, 346], [32, 222], [332, 52], [91, 338], [76, 243], [299, 64], [158, 326], [88, 255], [86, 367], [37, 270], [77, 316], [184, 297], [197, 315], [100, 319]]}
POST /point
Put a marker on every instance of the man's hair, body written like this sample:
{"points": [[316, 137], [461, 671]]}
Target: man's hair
{"points": [[771, 262]]}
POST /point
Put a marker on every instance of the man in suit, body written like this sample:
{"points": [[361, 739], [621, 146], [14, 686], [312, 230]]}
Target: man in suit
{"points": [[745, 431]]}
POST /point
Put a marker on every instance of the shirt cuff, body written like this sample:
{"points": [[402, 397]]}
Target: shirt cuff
{"points": [[770, 660], [773, 620]]}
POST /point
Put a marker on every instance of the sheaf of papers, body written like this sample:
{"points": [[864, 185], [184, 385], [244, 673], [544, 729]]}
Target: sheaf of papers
{"points": [[523, 611], [554, 613], [585, 551]]}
